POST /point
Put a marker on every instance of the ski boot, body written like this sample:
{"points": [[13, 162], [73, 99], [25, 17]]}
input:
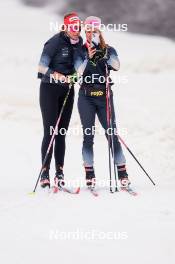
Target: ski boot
{"points": [[125, 182], [123, 176], [59, 178], [45, 179], [90, 177]]}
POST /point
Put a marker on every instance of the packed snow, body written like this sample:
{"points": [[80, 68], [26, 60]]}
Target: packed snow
{"points": [[46, 228]]}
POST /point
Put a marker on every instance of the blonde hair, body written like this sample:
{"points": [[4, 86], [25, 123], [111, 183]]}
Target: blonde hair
{"points": [[103, 44]]}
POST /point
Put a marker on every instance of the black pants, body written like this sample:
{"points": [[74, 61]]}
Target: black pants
{"points": [[51, 100], [88, 108]]}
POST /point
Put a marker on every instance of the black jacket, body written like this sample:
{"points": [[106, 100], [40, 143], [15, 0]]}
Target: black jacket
{"points": [[95, 74], [57, 56]]}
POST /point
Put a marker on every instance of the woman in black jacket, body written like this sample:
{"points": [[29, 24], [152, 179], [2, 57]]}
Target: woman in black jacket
{"points": [[91, 61], [55, 68]]}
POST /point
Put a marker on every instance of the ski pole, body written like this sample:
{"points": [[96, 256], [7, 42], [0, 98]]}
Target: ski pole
{"points": [[52, 138], [122, 141], [112, 151], [109, 143], [110, 137]]}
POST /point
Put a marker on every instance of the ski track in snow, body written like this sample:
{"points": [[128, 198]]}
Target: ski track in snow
{"points": [[145, 113]]}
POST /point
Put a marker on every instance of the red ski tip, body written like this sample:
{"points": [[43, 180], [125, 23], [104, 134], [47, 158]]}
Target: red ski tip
{"points": [[78, 190], [55, 189]]}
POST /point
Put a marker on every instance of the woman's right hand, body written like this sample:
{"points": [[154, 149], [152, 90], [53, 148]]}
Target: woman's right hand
{"points": [[91, 52]]}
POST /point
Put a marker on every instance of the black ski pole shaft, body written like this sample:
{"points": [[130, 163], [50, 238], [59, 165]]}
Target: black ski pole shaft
{"points": [[122, 141], [112, 150], [112, 144], [109, 122], [110, 174], [41, 171], [109, 140], [53, 137]]}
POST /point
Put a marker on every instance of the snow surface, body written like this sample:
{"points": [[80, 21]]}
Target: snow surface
{"points": [[145, 113]]}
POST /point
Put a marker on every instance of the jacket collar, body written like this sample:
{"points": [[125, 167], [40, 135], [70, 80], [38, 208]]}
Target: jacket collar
{"points": [[64, 36]]}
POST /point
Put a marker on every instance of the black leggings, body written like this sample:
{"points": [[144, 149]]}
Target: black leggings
{"points": [[89, 107], [51, 100]]}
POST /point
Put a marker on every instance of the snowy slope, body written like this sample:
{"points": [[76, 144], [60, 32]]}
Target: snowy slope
{"points": [[145, 113]]}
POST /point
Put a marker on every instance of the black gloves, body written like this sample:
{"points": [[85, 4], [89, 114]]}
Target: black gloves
{"points": [[99, 55]]}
